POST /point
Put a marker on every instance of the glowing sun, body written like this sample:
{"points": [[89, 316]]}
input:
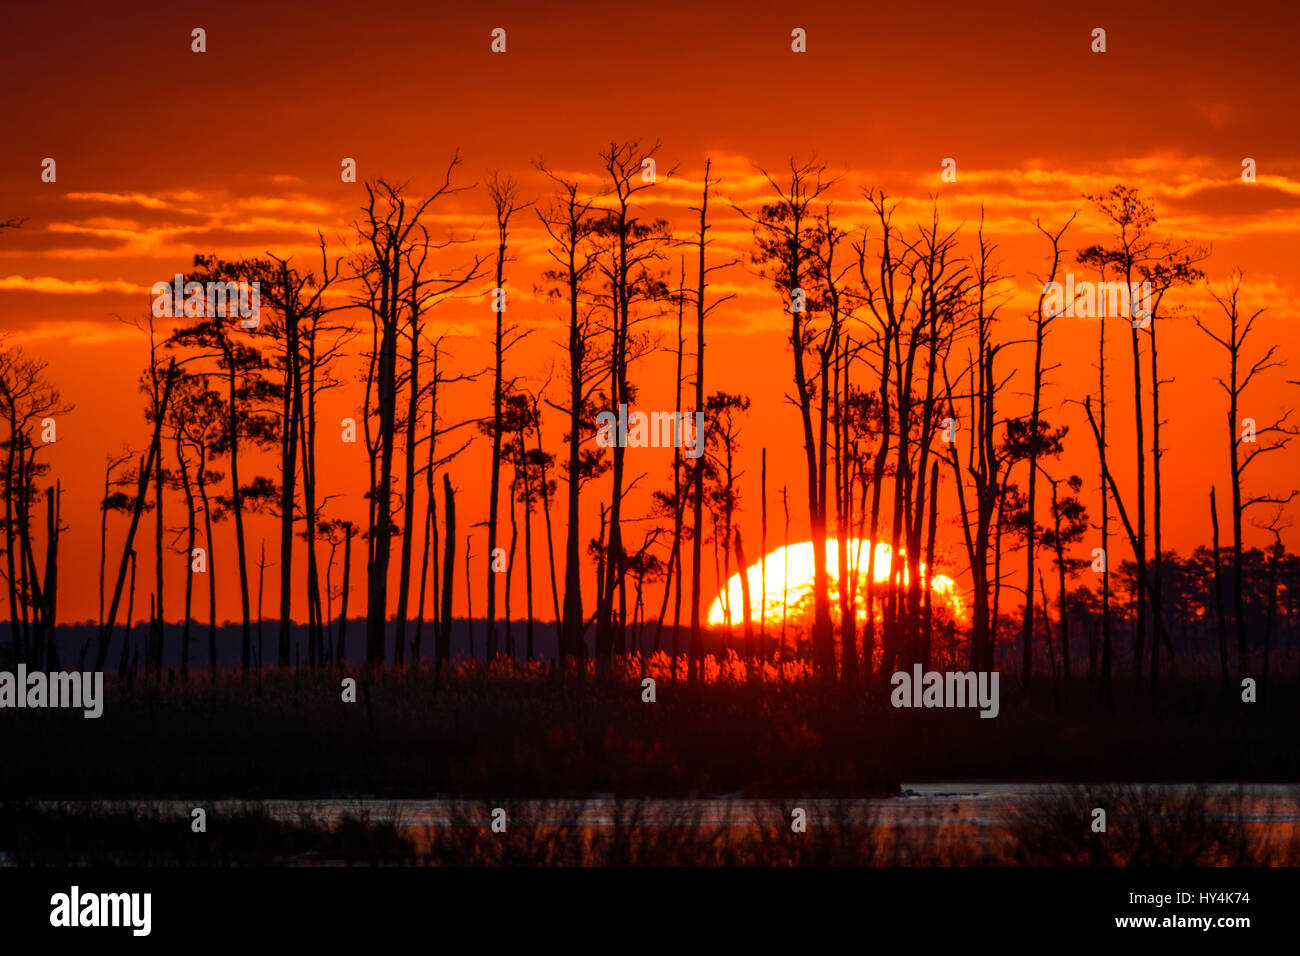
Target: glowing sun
{"points": [[790, 573]]}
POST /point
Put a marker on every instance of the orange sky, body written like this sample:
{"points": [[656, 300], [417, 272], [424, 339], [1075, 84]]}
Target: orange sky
{"points": [[163, 153]]}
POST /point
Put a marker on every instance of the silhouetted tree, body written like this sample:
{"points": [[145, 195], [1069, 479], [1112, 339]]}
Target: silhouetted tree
{"points": [[390, 232], [786, 238], [1043, 319], [629, 248], [569, 221], [505, 202], [1241, 432], [29, 407]]}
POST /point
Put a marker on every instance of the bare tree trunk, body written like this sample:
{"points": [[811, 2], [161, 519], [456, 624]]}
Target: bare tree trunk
{"points": [[340, 650], [381, 532], [1157, 600], [308, 440], [130, 612], [844, 520], [572, 642], [528, 542], [927, 629], [443, 651], [1107, 652], [746, 606], [695, 647], [1218, 594], [261, 578], [877, 487], [469, 598], [430, 522], [11, 497], [408, 502], [1060, 599], [1140, 549], [212, 567], [141, 489], [785, 578], [1238, 571], [674, 551], [157, 624], [192, 533], [237, 506], [50, 587], [103, 535], [1041, 324], [503, 197], [291, 410], [762, 568], [510, 560], [545, 462]]}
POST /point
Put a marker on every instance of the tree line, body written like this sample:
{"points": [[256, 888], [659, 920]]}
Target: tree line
{"points": [[912, 377]]}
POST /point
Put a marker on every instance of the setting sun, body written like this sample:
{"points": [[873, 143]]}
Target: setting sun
{"points": [[790, 572]]}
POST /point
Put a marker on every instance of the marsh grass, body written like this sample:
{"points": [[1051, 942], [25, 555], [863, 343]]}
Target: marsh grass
{"points": [[150, 834], [538, 736], [1147, 826]]}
